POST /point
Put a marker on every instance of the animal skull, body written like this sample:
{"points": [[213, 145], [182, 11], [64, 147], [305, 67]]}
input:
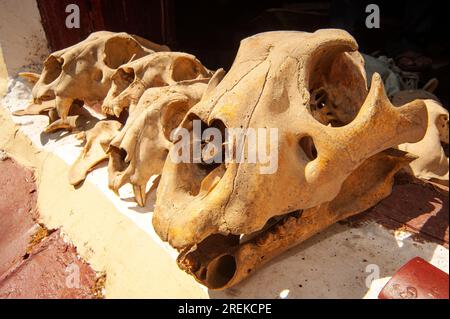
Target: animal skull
{"points": [[141, 147], [283, 80], [83, 71], [159, 69], [142, 138], [432, 162], [334, 140]]}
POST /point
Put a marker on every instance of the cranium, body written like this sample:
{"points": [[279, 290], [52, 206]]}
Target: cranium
{"points": [[159, 69], [143, 139], [332, 163], [140, 149], [83, 72], [432, 162]]}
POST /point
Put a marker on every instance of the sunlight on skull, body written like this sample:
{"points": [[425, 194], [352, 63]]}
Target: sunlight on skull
{"points": [[83, 72], [159, 69], [432, 151], [140, 149], [312, 88]]}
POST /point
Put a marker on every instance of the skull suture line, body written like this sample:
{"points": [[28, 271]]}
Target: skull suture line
{"points": [[284, 80]]}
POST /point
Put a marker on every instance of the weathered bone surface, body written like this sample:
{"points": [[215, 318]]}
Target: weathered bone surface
{"points": [[83, 72], [140, 149], [331, 132], [96, 141], [222, 261], [159, 69], [432, 162], [269, 85]]}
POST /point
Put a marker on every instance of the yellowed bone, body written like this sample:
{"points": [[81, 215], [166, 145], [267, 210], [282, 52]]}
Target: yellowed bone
{"points": [[93, 152], [30, 76]]}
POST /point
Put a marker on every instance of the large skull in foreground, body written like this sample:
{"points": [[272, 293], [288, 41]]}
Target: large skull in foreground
{"points": [[227, 218], [83, 72]]}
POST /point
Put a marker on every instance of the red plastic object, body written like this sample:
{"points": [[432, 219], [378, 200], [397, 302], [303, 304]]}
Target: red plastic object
{"points": [[417, 279]]}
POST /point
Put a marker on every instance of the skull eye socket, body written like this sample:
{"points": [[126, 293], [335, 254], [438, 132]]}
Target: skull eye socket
{"points": [[206, 167], [185, 69], [309, 149], [172, 115], [214, 155], [119, 51], [122, 79], [53, 68], [124, 76], [97, 75], [211, 156], [337, 87], [323, 108]]}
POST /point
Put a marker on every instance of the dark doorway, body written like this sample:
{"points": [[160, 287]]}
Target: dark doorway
{"points": [[148, 19], [212, 30]]}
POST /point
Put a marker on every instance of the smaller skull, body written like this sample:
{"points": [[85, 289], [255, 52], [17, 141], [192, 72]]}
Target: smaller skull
{"points": [[140, 149], [432, 151], [159, 69]]}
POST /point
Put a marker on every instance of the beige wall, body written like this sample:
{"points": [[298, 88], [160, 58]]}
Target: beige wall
{"points": [[3, 75], [22, 38]]}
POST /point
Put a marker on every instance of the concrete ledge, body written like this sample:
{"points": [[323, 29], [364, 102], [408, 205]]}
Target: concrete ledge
{"points": [[136, 266]]}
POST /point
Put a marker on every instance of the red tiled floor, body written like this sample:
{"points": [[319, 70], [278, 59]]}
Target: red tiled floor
{"points": [[415, 205], [17, 212], [52, 270], [35, 266]]}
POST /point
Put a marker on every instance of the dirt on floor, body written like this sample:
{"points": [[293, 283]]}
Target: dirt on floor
{"points": [[36, 262], [415, 206]]}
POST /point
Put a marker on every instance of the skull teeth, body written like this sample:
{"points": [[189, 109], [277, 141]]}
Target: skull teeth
{"points": [[139, 194]]}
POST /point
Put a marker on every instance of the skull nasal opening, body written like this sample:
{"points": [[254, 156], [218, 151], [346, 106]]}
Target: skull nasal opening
{"points": [[53, 68], [220, 271], [185, 68], [306, 143], [123, 78]]}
